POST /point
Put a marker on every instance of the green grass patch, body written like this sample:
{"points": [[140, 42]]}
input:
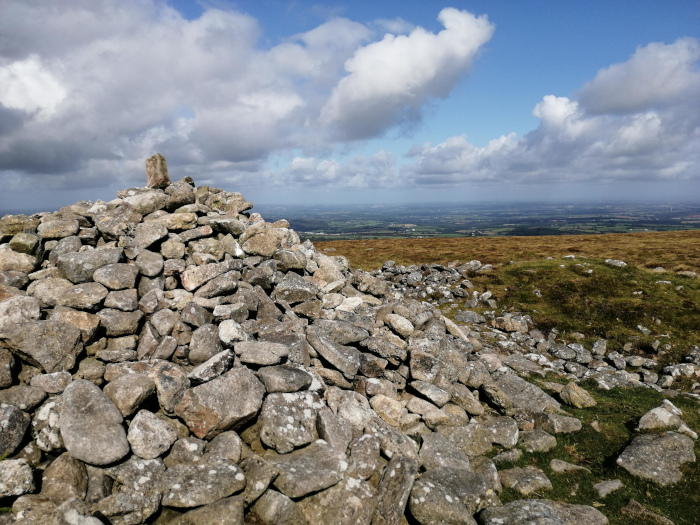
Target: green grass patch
{"points": [[617, 414]]}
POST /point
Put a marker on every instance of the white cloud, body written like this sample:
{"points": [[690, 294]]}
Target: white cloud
{"points": [[28, 86], [389, 81], [656, 74]]}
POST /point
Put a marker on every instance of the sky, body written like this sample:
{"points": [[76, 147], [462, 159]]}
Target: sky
{"points": [[354, 101]]}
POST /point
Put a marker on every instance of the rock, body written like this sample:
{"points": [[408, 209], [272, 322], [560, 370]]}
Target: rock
{"points": [[87, 296], [639, 512], [49, 345], [129, 391], [664, 416], [563, 467], [504, 431], [79, 267], [117, 323], [537, 441], [16, 310], [437, 451], [288, 421], [350, 502], [13, 261], [344, 358], [91, 426], [557, 424], [65, 478], [449, 495], [117, 276], [274, 508], [53, 383], [310, 469], [16, 478], [284, 378], [575, 396], [150, 436], [604, 488], [394, 490], [221, 404], [157, 172], [205, 344], [526, 395], [211, 368], [201, 484], [473, 439], [657, 457], [23, 397], [226, 511], [541, 511], [261, 352], [399, 324], [525, 480]]}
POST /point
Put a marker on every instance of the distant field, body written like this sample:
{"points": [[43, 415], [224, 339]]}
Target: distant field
{"points": [[675, 251]]}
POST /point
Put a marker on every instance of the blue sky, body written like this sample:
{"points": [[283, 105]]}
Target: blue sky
{"points": [[347, 102]]}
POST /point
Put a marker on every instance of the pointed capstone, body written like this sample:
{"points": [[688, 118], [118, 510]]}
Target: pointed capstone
{"points": [[157, 172]]}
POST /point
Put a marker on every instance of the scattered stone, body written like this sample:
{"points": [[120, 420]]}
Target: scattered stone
{"points": [[657, 457], [525, 480]]}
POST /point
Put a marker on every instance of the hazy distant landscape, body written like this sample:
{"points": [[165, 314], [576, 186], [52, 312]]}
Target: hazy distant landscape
{"points": [[481, 220]]}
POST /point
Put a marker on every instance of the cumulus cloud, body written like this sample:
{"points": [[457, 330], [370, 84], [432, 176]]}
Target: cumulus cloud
{"points": [[656, 75], [634, 122], [100, 85], [389, 81]]}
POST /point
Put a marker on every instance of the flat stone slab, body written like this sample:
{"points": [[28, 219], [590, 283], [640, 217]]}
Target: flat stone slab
{"points": [[541, 512], [222, 403], [657, 457], [526, 395], [91, 426], [350, 502], [525, 480], [289, 420], [449, 495], [49, 345], [186, 485], [309, 469]]}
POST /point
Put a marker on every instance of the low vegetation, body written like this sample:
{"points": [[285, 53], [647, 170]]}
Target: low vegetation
{"points": [[638, 308], [584, 299]]}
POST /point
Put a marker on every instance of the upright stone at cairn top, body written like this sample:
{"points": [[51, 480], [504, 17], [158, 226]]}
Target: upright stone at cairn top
{"points": [[157, 172]]}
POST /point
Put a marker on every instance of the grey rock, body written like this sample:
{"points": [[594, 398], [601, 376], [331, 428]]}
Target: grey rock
{"points": [[150, 436], [284, 378], [261, 352], [259, 474], [16, 310], [504, 431], [187, 450], [79, 267], [350, 502], [657, 457], [16, 478], [526, 395], [129, 391], [117, 276], [196, 277], [87, 296], [449, 495], [46, 429], [541, 512], [201, 484], [226, 445], [212, 367], [295, 289], [487, 468], [23, 397], [171, 383], [525, 480], [333, 429], [149, 263], [223, 284], [364, 455], [226, 511], [124, 300], [310, 469], [394, 489], [288, 420], [49, 345], [157, 172], [438, 451], [205, 344], [221, 404], [435, 394], [195, 315], [7, 362], [557, 424], [473, 439], [53, 383], [344, 358], [462, 397], [91, 426], [537, 440], [117, 323], [274, 508], [13, 261], [65, 478], [14, 423]]}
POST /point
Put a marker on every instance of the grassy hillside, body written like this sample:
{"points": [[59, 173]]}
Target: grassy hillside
{"points": [[674, 251], [576, 296]]}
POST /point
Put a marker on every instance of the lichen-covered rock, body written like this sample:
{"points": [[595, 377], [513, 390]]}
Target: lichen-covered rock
{"points": [[288, 420], [49, 345], [657, 457], [16, 478], [201, 484], [91, 426], [541, 511]]}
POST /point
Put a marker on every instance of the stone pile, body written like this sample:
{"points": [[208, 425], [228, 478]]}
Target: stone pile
{"points": [[169, 357]]}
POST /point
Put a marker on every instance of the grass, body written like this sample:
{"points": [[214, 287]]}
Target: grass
{"points": [[618, 412], [679, 250], [582, 295]]}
